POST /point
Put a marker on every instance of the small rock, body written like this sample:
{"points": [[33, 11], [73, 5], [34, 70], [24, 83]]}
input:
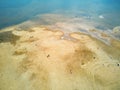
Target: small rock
{"points": [[118, 64], [48, 56]]}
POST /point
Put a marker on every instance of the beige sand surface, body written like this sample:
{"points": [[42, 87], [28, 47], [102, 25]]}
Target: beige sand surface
{"points": [[44, 59]]}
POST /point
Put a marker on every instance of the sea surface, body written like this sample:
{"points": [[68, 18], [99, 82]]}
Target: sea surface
{"points": [[104, 12]]}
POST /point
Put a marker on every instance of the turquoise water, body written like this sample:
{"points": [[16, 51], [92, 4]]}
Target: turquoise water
{"points": [[105, 12]]}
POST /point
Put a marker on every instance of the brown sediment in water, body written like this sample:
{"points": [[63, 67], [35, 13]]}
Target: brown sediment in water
{"points": [[44, 59]]}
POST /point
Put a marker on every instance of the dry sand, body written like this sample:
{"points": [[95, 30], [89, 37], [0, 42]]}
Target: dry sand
{"points": [[44, 59]]}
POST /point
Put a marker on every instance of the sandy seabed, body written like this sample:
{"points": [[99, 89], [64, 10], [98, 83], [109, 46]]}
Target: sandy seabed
{"points": [[45, 59]]}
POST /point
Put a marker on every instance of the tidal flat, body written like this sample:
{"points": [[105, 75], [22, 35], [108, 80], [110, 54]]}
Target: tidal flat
{"points": [[47, 57]]}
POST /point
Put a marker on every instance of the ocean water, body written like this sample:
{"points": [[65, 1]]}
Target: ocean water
{"points": [[104, 12]]}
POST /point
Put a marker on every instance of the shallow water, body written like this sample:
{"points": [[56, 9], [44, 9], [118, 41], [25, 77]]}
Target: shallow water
{"points": [[105, 12]]}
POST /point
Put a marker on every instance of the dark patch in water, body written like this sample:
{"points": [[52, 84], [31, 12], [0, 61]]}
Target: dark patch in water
{"points": [[8, 37]]}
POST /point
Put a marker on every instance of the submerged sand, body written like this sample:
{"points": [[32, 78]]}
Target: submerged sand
{"points": [[45, 59]]}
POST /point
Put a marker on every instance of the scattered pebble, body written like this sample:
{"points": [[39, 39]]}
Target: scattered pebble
{"points": [[48, 56], [118, 64]]}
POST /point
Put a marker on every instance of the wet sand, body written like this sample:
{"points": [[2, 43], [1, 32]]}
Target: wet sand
{"points": [[45, 59]]}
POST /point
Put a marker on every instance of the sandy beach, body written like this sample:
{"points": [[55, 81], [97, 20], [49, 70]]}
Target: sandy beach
{"points": [[45, 59]]}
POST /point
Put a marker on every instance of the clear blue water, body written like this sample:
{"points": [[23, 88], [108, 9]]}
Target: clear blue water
{"points": [[16, 11]]}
